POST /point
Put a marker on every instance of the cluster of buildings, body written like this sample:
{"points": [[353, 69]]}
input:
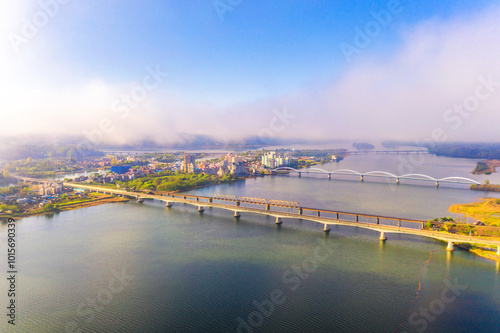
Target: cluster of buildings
{"points": [[36, 198], [121, 173], [230, 164], [273, 160], [188, 164], [50, 188]]}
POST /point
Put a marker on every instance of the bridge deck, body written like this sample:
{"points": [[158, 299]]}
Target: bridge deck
{"points": [[204, 201]]}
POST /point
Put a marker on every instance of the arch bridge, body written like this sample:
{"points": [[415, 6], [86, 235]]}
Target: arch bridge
{"points": [[378, 174]]}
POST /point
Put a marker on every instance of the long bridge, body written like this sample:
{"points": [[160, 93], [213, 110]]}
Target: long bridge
{"points": [[387, 152], [33, 180], [377, 174], [239, 205]]}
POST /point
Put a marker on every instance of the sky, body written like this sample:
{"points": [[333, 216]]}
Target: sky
{"points": [[117, 71]]}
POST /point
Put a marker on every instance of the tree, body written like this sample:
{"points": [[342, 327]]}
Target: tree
{"points": [[48, 207], [429, 224], [6, 174], [12, 208], [487, 181]]}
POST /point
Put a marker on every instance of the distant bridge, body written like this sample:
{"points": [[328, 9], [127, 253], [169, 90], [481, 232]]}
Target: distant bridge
{"points": [[379, 174], [34, 180], [382, 224], [387, 152]]}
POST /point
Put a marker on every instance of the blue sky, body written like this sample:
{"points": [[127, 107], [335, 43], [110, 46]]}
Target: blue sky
{"points": [[263, 55]]}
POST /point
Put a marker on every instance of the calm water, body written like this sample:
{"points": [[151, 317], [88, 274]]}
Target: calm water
{"points": [[191, 272]]}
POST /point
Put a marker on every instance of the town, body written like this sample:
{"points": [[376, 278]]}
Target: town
{"points": [[158, 172]]}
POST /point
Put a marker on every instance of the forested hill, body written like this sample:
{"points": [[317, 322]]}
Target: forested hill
{"points": [[482, 151]]}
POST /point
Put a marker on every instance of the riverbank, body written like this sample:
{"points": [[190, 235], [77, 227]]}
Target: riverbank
{"points": [[481, 251], [486, 211], [485, 187], [98, 199]]}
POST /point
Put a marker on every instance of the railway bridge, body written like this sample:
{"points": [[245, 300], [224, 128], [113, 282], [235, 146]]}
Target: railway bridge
{"points": [[238, 205]]}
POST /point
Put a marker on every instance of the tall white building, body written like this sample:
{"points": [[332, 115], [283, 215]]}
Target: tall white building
{"points": [[273, 160]]}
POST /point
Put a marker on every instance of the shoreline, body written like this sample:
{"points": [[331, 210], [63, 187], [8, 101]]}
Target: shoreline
{"points": [[487, 254], [74, 206]]}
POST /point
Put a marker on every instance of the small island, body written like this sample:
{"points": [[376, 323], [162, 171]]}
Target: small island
{"points": [[363, 146], [486, 168]]}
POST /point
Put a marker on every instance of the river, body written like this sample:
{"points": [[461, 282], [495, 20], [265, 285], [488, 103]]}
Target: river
{"points": [[131, 267]]}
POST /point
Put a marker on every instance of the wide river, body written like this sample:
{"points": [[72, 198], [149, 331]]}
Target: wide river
{"points": [[131, 267]]}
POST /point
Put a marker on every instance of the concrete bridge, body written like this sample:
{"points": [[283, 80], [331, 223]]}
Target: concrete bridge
{"points": [[387, 152], [378, 174], [238, 205], [33, 180]]}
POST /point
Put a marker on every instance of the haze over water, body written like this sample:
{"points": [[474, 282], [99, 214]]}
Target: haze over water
{"points": [[201, 272]]}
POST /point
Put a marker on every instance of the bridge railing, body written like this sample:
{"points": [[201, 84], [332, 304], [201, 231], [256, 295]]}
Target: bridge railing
{"points": [[316, 212]]}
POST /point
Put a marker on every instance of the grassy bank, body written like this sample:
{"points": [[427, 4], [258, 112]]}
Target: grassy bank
{"points": [[486, 210], [482, 251], [95, 200], [485, 187]]}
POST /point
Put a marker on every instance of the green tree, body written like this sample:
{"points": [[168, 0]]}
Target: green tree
{"points": [[48, 207], [6, 173]]}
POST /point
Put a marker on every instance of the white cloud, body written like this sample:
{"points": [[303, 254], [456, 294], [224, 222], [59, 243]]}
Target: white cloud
{"points": [[403, 95]]}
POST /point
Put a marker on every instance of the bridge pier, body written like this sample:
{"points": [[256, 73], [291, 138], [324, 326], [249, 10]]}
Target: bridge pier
{"points": [[329, 176], [237, 215], [268, 206], [300, 211], [450, 247], [201, 209], [140, 200], [362, 178], [278, 220], [326, 228], [397, 181], [437, 184], [378, 220], [168, 204], [300, 174], [318, 214], [382, 236], [210, 200], [237, 203]]}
